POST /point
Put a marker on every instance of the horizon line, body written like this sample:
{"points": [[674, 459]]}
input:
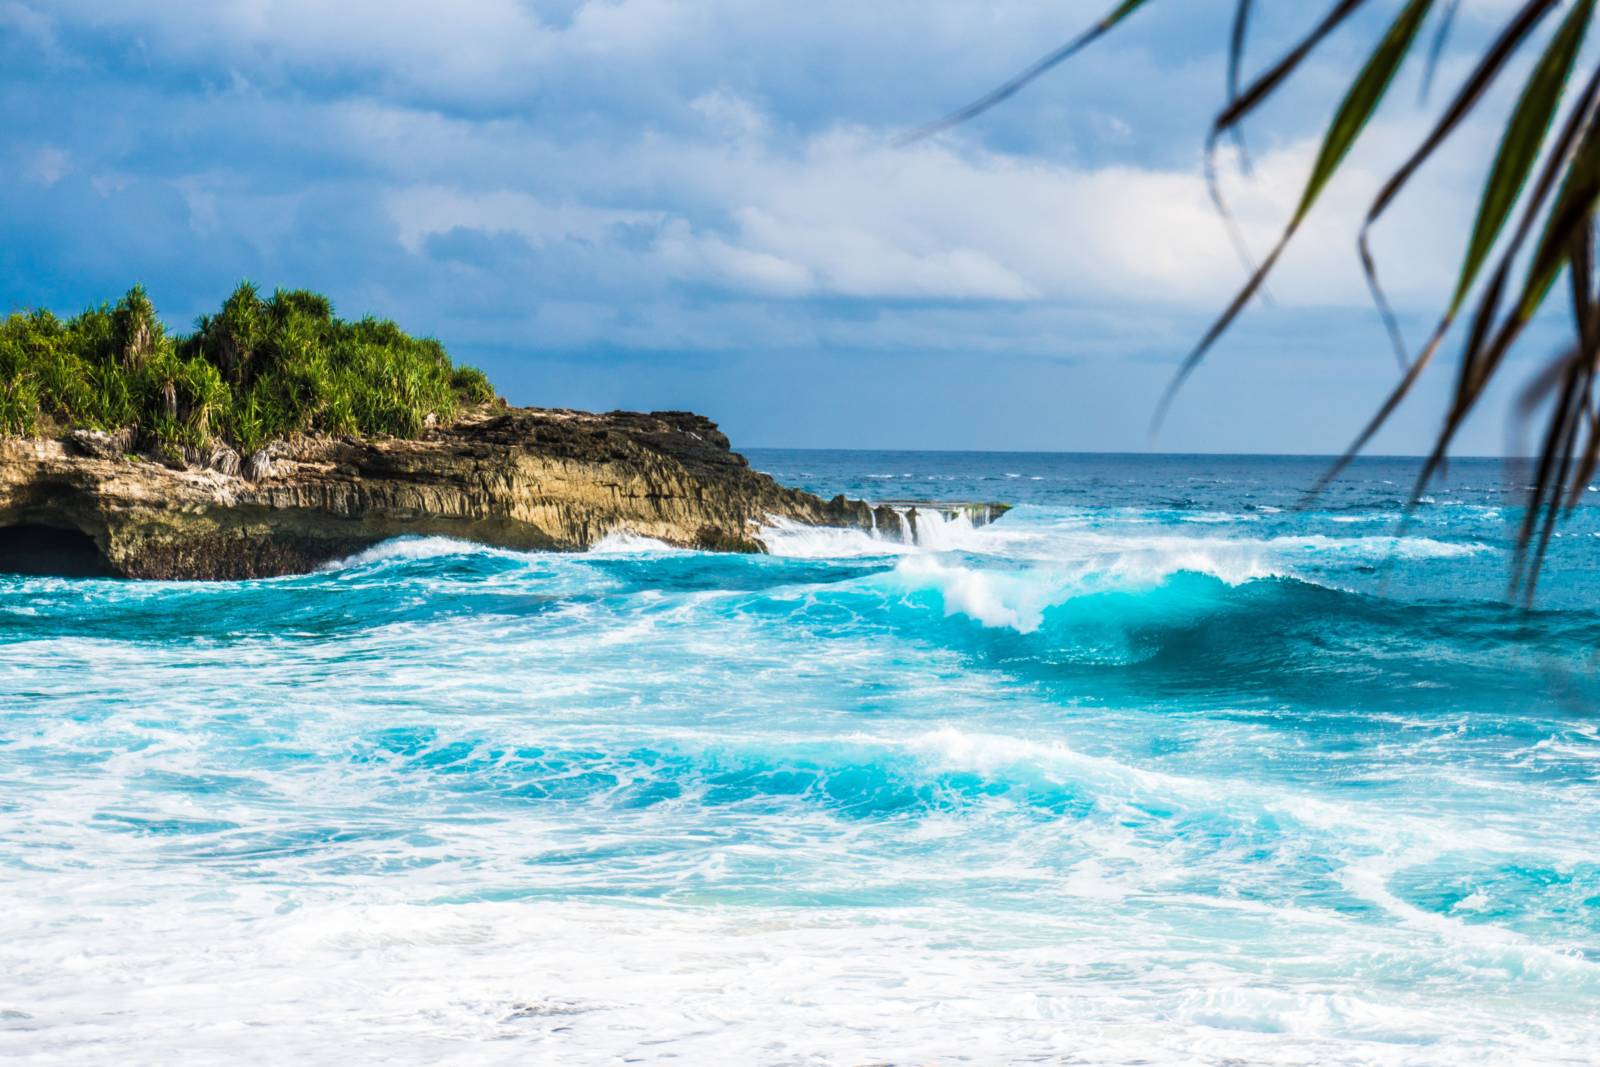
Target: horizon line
{"points": [[1085, 452]]}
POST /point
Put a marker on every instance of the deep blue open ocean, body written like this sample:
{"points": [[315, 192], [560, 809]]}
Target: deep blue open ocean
{"points": [[1161, 768]]}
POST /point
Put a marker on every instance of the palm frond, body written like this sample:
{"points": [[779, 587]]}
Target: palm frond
{"points": [[1032, 73], [1560, 206], [1532, 119], [1578, 120], [1236, 40], [1351, 118], [1263, 86]]}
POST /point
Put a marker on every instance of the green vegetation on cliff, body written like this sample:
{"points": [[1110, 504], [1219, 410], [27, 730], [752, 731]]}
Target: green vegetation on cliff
{"points": [[257, 370]]}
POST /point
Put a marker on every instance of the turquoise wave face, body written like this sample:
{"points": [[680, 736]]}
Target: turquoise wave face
{"points": [[1160, 767]]}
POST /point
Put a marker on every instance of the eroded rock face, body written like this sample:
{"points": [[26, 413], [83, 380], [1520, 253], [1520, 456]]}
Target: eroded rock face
{"points": [[519, 478]]}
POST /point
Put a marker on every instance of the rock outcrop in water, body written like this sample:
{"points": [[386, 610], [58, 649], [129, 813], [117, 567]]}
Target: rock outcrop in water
{"points": [[519, 478]]}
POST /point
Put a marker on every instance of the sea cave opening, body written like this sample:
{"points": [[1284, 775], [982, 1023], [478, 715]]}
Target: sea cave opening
{"points": [[52, 551]]}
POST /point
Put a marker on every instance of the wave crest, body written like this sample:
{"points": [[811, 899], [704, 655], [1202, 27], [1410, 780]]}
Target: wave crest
{"points": [[1021, 599], [622, 543], [411, 549]]}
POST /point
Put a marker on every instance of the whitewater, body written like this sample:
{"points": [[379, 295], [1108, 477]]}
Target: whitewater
{"points": [[1167, 766]]}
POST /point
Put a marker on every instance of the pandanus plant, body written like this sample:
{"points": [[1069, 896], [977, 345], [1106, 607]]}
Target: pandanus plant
{"points": [[230, 337], [254, 371], [1536, 211], [137, 331]]}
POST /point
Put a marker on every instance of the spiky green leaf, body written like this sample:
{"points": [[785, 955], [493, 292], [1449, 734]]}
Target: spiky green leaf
{"points": [[1362, 100], [1520, 143]]}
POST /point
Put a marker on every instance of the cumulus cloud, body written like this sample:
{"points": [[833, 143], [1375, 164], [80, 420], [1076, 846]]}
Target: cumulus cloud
{"points": [[786, 204], [421, 211], [46, 164], [846, 214]]}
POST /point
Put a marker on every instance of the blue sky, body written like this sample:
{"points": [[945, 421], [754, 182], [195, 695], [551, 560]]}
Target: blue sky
{"points": [[697, 203]]}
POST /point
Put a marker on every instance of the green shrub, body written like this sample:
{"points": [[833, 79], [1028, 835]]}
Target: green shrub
{"points": [[472, 385], [19, 405], [257, 370]]}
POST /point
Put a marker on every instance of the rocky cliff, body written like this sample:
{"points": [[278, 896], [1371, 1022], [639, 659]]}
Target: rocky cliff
{"points": [[512, 477]]}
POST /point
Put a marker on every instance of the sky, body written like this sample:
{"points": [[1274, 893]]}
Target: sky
{"points": [[701, 204]]}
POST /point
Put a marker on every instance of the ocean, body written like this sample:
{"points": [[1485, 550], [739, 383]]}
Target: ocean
{"points": [[1167, 766]]}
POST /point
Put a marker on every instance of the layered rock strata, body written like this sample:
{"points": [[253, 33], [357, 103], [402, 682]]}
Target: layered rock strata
{"points": [[520, 478]]}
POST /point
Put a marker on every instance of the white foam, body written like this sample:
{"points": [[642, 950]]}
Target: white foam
{"points": [[622, 543], [416, 548], [992, 598], [991, 754], [1218, 518], [1018, 598], [1269, 553], [1132, 551], [402, 549], [787, 538], [937, 532]]}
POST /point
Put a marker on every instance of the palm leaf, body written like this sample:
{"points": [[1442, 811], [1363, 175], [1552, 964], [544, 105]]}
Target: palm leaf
{"points": [[1561, 208], [1363, 99], [1572, 210], [1578, 122], [1441, 36], [1264, 85], [1236, 39], [1349, 120], [1020, 81], [1471, 92], [1524, 136]]}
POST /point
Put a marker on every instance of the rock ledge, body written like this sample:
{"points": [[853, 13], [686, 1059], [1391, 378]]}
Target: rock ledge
{"points": [[521, 478]]}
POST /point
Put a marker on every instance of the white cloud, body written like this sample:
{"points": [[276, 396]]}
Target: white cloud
{"points": [[730, 115], [692, 257], [662, 147], [506, 52], [47, 164], [422, 211], [848, 215], [433, 46]]}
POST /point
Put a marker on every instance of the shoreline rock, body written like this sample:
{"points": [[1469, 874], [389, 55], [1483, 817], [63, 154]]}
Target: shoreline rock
{"points": [[520, 478]]}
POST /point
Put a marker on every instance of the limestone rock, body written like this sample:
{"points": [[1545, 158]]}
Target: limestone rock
{"points": [[102, 445], [520, 478]]}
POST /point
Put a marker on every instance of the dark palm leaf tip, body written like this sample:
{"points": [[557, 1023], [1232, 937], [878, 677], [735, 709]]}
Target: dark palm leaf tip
{"points": [[1258, 90], [1572, 377], [1241, 247], [1236, 40], [1441, 37], [1557, 484], [1032, 73]]}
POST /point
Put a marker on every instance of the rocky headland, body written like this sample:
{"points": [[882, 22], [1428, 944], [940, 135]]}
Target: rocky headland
{"points": [[87, 502]]}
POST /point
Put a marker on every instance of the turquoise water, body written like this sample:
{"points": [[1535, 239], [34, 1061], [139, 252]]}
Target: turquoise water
{"points": [[1158, 769]]}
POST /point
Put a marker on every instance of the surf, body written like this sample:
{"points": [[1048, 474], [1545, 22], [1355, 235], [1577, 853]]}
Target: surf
{"points": [[570, 800]]}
